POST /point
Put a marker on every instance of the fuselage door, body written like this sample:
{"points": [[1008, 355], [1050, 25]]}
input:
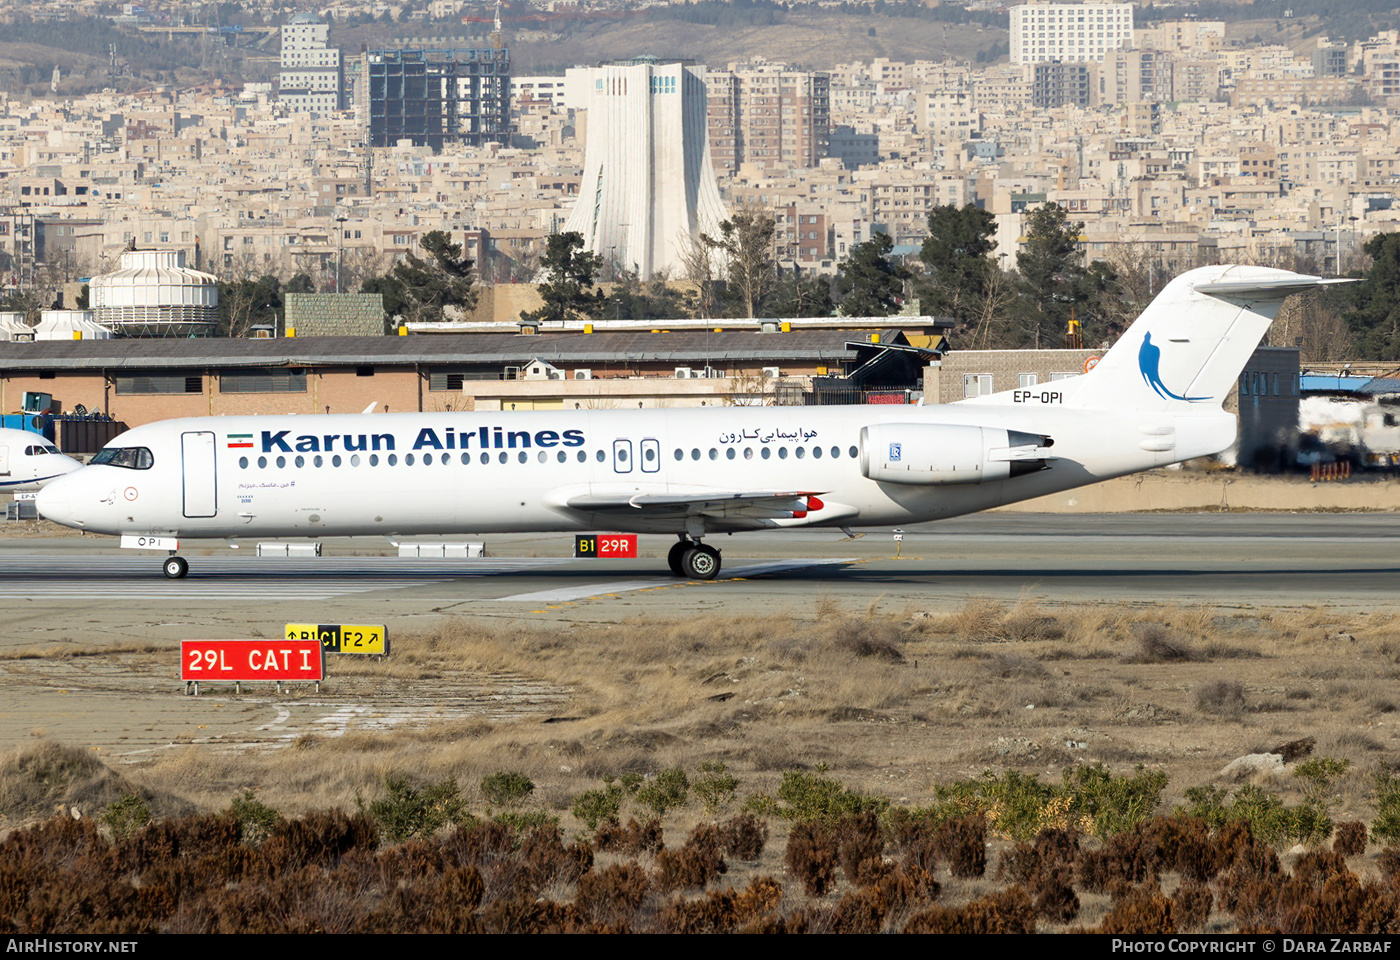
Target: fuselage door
{"points": [[4, 460], [651, 456], [622, 456], [200, 479]]}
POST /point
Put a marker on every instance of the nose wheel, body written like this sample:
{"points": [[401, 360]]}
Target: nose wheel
{"points": [[693, 559], [176, 568]]}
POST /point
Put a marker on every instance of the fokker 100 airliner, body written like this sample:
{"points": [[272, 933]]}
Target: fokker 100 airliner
{"points": [[1154, 399]]}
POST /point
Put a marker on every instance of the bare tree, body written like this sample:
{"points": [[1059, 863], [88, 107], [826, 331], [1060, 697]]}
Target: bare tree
{"points": [[746, 243], [698, 267]]}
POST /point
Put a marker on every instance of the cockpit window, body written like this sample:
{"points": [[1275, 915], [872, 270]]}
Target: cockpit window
{"points": [[131, 458], [39, 449]]}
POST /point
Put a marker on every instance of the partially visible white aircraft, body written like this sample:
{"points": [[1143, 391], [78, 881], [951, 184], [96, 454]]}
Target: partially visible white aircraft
{"points": [[28, 461], [1154, 399]]}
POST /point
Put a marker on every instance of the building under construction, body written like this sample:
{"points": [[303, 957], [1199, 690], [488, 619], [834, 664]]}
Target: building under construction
{"points": [[433, 97]]}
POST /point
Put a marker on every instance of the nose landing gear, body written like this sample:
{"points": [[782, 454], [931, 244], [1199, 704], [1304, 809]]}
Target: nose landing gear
{"points": [[176, 567]]}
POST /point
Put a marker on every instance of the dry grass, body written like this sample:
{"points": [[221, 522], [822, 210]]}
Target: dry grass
{"points": [[894, 702]]}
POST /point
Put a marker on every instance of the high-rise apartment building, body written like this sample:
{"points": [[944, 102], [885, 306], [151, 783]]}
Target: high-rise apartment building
{"points": [[310, 80], [1069, 32], [434, 97], [648, 187], [765, 113]]}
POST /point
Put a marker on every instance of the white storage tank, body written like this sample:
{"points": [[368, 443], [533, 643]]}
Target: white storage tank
{"points": [[155, 295]]}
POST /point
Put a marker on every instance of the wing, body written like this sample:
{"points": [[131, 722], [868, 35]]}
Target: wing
{"points": [[711, 504]]}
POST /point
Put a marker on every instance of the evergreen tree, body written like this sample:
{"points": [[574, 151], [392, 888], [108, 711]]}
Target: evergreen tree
{"points": [[803, 295], [960, 274], [568, 292], [1051, 268], [631, 299], [428, 287], [868, 283], [1375, 315]]}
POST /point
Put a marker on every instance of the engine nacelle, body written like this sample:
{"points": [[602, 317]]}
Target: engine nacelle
{"points": [[933, 453]]}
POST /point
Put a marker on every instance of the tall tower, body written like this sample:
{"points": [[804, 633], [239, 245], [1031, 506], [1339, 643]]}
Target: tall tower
{"points": [[648, 186]]}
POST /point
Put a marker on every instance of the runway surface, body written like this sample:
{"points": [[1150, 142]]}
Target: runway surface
{"points": [[1350, 560]]}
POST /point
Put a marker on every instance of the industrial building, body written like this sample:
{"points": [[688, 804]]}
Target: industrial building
{"points": [[140, 381], [436, 97]]}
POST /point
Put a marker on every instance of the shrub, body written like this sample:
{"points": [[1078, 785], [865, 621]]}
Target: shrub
{"points": [[1191, 905], [125, 815], [963, 844], [811, 796], [1221, 697], [667, 789], [633, 839], [715, 786], [1350, 840], [594, 807], [696, 863], [1156, 644], [812, 855], [255, 818], [1386, 824], [610, 897], [859, 845], [1010, 911], [506, 788], [409, 809], [744, 837]]}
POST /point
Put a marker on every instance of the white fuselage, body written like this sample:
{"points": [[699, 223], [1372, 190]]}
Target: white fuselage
{"points": [[451, 473], [28, 461]]}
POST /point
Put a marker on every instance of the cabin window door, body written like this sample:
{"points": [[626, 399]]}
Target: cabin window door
{"points": [[622, 456]]}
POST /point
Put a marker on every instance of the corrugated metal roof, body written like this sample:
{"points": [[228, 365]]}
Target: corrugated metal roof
{"points": [[683, 348]]}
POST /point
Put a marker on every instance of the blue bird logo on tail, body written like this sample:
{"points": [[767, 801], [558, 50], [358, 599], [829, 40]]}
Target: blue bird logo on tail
{"points": [[1149, 362]]}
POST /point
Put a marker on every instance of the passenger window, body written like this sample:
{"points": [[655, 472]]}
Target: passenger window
{"points": [[782, 453], [466, 459], [392, 460], [354, 459], [767, 452], [281, 463], [243, 463], [262, 463], [407, 459], [300, 461], [374, 459]]}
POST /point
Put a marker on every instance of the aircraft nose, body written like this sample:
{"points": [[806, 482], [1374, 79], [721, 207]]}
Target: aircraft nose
{"points": [[55, 501]]}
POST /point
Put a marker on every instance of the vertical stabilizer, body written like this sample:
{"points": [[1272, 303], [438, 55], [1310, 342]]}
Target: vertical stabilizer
{"points": [[1190, 344]]}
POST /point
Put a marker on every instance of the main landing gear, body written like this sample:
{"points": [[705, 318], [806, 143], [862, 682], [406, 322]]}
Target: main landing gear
{"points": [[693, 559], [176, 567]]}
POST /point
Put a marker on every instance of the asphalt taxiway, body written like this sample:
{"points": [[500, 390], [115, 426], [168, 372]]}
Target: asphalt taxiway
{"points": [[87, 586]]}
